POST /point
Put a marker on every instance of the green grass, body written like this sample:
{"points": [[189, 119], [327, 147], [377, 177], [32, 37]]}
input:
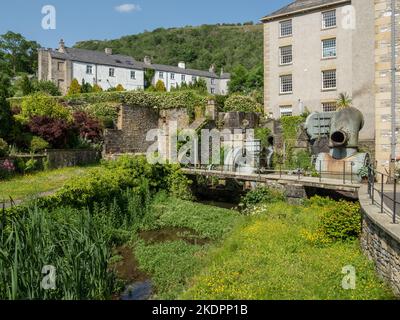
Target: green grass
{"points": [[171, 264], [23, 187], [268, 258]]}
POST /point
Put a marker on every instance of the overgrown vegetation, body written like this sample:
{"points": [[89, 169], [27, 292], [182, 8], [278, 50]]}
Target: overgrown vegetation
{"points": [[268, 258]]}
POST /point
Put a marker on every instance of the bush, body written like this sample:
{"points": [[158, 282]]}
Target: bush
{"points": [[58, 132], [41, 104], [38, 145], [47, 87], [74, 88], [96, 88], [261, 195], [88, 127], [243, 104], [7, 169], [3, 148], [339, 220], [120, 88], [160, 86]]}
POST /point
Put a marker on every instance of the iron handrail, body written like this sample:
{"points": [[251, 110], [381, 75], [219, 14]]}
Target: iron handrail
{"points": [[392, 201]]}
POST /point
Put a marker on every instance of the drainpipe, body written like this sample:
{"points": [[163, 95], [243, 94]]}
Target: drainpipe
{"points": [[394, 69]]}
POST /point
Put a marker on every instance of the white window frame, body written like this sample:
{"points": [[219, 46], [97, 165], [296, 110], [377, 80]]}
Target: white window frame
{"points": [[161, 75], [325, 19], [323, 42], [330, 106], [286, 111], [282, 57], [183, 78], [89, 69], [172, 75], [111, 72], [282, 85], [324, 80], [213, 90], [133, 75], [282, 27], [212, 81], [194, 78]]}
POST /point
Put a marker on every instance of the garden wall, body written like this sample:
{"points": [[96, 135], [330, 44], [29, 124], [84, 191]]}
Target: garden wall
{"points": [[70, 158], [380, 240]]}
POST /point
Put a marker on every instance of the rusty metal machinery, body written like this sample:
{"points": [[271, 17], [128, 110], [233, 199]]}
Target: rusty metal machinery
{"points": [[344, 128]]}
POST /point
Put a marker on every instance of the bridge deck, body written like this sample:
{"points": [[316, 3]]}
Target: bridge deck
{"points": [[322, 183]]}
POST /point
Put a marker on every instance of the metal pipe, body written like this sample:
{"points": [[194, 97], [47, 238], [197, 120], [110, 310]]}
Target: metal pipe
{"points": [[394, 201], [382, 195], [394, 69]]}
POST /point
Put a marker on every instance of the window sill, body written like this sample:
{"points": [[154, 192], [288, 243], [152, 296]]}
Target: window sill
{"points": [[285, 64], [328, 28], [329, 89], [329, 58], [284, 37], [285, 93]]}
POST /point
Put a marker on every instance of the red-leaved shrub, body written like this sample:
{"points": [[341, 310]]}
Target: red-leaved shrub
{"points": [[58, 132], [89, 128]]}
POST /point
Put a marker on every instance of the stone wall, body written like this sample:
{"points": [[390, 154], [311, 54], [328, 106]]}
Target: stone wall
{"points": [[380, 240], [133, 125], [71, 158]]}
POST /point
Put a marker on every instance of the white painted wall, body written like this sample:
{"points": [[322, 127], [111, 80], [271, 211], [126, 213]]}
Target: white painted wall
{"points": [[100, 74]]}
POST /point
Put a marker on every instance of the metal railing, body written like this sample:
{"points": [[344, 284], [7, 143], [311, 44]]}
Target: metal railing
{"points": [[382, 190], [345, 172]]}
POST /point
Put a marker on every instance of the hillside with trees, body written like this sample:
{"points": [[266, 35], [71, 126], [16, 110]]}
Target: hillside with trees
{"points": [[224, 45]]}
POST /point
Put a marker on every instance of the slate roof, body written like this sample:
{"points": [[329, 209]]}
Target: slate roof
{"points": [[97, 57], [301, 6], [116, 60]]}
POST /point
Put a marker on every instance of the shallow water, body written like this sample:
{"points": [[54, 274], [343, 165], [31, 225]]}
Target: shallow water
{"points": [[138, 291]]}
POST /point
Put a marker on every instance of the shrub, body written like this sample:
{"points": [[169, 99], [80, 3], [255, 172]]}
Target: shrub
{"points": [[3, 148], [7, 169], [339, 220], [74, 88], [38, 145], [31, 165], [58, 132], [160, 86], [96, 88], [261, 195], [243, 104], [47, 87], [88, 127], [120, 88], [41, 104]]}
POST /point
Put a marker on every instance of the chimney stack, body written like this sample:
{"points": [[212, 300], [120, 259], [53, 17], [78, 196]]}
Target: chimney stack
{"points": [[212, 68], [61, 47], [147, 60], [182, 65], [108, 51]]}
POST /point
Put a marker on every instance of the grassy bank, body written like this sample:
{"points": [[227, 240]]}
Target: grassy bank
{"points": [[268, 257], [172, 263], [27, 186]]}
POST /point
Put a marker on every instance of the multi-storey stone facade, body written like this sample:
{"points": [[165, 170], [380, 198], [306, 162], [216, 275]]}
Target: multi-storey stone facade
{"points": [[383, 80], [315, 50]]}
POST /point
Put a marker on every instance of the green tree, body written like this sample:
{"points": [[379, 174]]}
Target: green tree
{"points": [[5, 118], [160, 86], [74, 88], [239, 80], [199, 85], [19, 54], [26, 85], [344, 101], [148, 77]]}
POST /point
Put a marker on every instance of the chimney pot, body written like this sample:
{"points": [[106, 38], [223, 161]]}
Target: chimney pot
{"points": [[61, 48], [108, 51], [212, 68], [147, 60], [182, 65]]}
